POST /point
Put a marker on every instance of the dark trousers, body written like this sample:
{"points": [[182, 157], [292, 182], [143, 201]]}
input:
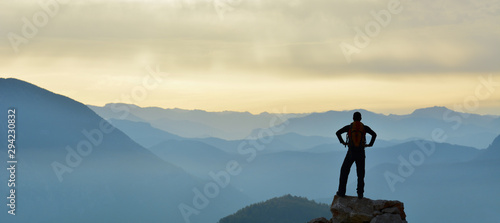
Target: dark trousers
{"points": [[352, 156]]}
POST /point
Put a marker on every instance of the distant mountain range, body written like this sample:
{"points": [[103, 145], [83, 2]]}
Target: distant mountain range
{"points": [[139, 172], [302, 154], [459, 128], [72, 168], [192, 123]]}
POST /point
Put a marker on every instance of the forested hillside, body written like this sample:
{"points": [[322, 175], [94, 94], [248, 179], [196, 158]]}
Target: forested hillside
{"points": [[286, 209]]}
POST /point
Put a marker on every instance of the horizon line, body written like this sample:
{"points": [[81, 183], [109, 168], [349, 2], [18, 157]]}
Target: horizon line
{"points": [[388, 112], [298, 113]]}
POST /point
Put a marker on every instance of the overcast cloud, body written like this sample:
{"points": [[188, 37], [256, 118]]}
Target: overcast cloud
{"points": [[281, 38]]}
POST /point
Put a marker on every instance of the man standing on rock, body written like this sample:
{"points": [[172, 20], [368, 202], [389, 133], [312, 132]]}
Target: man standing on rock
{"points": [[356, 142]]}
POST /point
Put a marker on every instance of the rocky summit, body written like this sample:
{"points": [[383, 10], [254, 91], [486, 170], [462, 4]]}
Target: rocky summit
{"points": [[354, 210]]}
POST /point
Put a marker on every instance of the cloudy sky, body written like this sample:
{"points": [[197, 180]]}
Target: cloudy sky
{"points": [[387, 56]]}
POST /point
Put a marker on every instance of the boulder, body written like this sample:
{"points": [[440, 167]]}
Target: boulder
{"points": [[354, 210]]}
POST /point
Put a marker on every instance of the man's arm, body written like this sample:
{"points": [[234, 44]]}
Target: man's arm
{"points": [[339, 134], [373, 134]]}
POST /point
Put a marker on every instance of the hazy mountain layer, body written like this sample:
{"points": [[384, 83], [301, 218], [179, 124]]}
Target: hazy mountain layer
{"points": [[457, 127], [73, 166]]}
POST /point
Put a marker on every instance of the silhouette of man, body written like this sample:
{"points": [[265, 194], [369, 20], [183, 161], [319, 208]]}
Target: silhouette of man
{"points": [[356, 142]]}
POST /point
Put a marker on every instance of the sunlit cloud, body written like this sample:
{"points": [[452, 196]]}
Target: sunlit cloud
{"points": [[258, 54]]}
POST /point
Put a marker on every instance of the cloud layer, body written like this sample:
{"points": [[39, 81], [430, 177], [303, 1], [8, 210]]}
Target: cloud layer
{"points": [[252, 40]]}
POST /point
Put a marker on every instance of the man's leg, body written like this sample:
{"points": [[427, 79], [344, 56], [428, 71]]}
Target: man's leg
{"points": [[360, 170], [344, 173]]}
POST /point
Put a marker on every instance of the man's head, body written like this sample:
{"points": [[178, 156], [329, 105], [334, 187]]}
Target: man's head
{"points": [[356, 116]]}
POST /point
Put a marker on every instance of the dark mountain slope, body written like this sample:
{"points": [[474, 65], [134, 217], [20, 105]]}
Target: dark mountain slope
{"points": [[73, 168], [286, 209]]}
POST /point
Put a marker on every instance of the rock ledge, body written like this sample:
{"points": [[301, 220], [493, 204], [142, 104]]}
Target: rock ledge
{"points": [[353, 210]]}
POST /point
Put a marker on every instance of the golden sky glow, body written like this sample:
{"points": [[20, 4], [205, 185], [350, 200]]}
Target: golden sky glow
{"points": [[257, 55]]}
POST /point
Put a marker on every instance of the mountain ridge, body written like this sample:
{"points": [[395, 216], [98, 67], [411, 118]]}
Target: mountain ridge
{"points": [[423, 110], [284, 209], [466, 129], [102, 175]]}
